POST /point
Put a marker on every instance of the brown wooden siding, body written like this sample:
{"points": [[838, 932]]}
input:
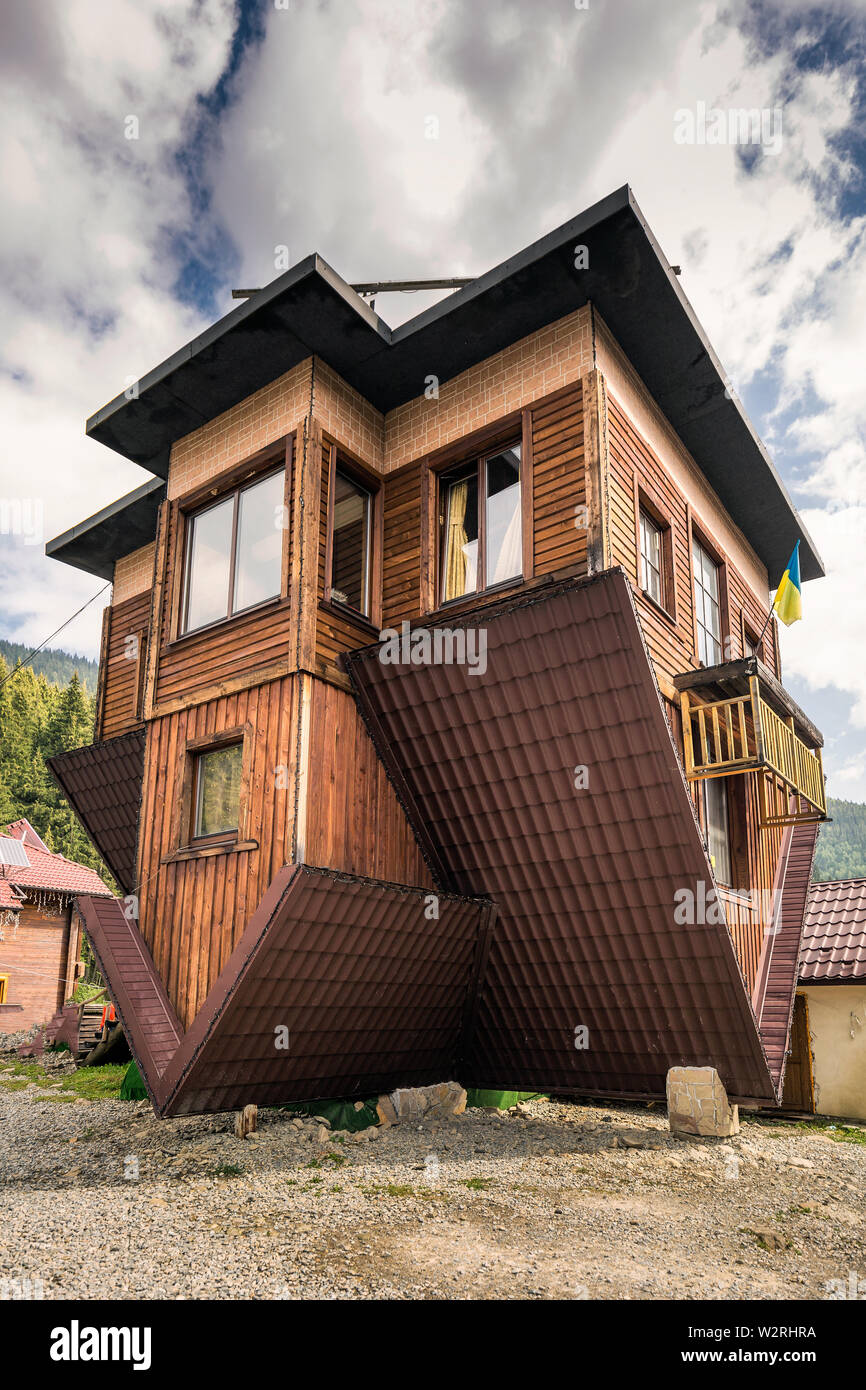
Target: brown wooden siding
{"points": [[755, 852], [248, 643], [118, 687], [354, 821], [401, 570], [558, 482], [555, 476], [671, 642], [35, 957], [194, 911]]}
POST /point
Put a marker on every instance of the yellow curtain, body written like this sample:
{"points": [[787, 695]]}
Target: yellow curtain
{"points": [[455, 563]]}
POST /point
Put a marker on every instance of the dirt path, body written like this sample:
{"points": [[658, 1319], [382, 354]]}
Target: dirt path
{"points": [[555, 1201]]}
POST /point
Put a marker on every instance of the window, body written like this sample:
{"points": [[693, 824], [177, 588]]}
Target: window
{"points": [[217, 790], [717, 828], [708, 614], [4, 981], [234, 553], [351, 551], [140, 675], [751, 645], [651, 557], [482, 542]]}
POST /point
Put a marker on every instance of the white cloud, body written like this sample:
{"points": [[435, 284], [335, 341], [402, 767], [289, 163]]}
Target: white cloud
{"points": [[541, 110]]}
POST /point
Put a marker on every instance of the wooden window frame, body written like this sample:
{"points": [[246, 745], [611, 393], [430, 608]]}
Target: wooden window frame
{"points": [[232, 481], [515, 427], [645, 500], [699, 534], [342, 461], [747, 632], [189, 843], [4, 987], [140, 676]]}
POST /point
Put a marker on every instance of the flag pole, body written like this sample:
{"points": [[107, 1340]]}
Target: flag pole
{"points": [[767, 623]]}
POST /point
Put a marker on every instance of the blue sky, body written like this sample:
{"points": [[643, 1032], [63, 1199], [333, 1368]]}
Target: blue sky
{"points": [[291, 122]]}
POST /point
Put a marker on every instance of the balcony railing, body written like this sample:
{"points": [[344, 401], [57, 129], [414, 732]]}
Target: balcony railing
{"points": [[725, 737]]}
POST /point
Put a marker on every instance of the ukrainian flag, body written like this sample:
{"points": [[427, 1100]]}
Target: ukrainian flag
{"points": [[788, 604]]}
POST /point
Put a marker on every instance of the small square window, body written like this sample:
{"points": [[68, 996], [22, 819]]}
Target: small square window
{"points": [[217, 791]]}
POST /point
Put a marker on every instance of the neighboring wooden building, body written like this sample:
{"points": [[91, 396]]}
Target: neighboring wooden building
{"points": [[827, 1068], [40, 927], [548, 436]]}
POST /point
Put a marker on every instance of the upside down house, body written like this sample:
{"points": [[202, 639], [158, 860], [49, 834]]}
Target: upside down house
{"points": [[441, 729]]}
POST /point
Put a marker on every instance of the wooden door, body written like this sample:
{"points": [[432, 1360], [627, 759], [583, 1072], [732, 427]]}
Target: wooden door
{"points": [[797, 1093]]}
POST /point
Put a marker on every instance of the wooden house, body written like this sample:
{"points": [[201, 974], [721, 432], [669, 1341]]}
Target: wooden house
{"points": [[441, 728], [40, 926]]}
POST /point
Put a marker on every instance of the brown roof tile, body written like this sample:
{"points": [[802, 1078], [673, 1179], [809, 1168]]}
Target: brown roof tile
{"points": [[834, 937], [102, 781], [584, 880]]}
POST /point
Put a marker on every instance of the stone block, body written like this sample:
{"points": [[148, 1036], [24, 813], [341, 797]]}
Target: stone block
{"points": [[698, 1103]]}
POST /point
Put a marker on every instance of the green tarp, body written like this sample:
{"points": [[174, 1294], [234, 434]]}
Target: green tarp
{"points": [[132, 1086], [499, 1100]]}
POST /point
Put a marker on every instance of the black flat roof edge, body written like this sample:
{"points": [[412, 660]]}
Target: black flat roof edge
{"points": [[94, 545], [306, 269], [367, 358]]}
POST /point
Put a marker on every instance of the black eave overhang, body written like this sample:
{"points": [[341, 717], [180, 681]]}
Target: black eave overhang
{"points": [[311, 310], [95, 544]]}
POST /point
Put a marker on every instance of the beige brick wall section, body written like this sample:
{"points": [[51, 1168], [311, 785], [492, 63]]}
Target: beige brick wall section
{"points": [[533, 367], [133, 574], [343, 413], [624, 383], [250, 425]]}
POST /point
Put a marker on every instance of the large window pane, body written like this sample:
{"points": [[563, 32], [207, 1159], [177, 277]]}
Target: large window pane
{"points": [[259, 543], [218, 788], [718, 836], [461, 537], [208, 564], [350, 566], [503, 537]]}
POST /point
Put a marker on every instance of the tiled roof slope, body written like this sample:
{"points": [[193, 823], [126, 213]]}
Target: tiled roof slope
{"points": [[149, 1021], [584, 879], [102, 781], [778, 979], [374, 993], [51, 872], [834, 937]]}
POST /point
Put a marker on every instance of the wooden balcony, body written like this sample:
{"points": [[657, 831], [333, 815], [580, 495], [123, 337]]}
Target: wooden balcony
{"points": [[756, 728]]}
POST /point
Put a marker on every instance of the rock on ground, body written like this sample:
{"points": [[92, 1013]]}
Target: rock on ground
{"points": [[552, 1201]]}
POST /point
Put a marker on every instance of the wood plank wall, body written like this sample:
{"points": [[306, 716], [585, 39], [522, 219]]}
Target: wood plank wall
{"points": [[558, 482], [671, 644], [194, 911], [558, 488], [754, 849], [354, 821], [401, 545], [118, 686]]}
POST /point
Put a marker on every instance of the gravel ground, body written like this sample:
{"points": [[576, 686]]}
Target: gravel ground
{"points": [[101, 1199]]}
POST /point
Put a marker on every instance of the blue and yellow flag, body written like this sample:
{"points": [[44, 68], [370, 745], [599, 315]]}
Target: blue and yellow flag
{"points": [[788, 603]]}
